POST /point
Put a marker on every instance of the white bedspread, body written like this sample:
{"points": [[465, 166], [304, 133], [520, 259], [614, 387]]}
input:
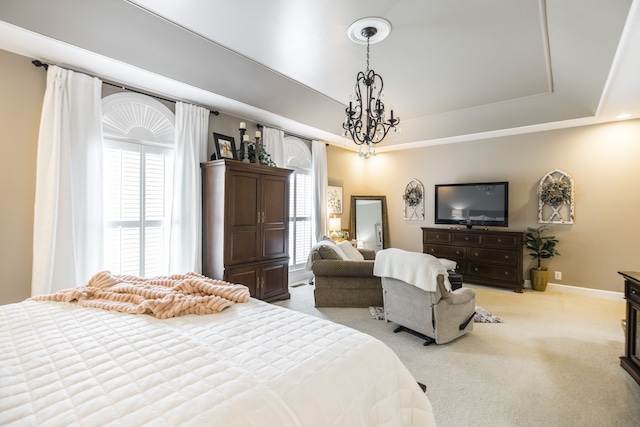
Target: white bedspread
{"points": [[414, 268], [254, 364]]}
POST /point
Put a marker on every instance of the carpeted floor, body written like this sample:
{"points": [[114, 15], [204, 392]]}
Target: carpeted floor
{"points": [[553, 362]]}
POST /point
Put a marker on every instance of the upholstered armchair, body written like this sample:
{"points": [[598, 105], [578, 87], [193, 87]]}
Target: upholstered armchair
{"points": [[343, 278], [418, 297]]}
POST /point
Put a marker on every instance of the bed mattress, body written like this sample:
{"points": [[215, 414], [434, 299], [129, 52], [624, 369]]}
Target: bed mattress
{"points": [[254, 364]]}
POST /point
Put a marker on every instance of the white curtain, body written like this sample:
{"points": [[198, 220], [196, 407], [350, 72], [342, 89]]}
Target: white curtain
{"points": [[319, 218], [274, 144], [192, 128], [68, 225]]}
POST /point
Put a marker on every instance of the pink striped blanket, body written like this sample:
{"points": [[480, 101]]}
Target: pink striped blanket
{"points": [[162, 297]]}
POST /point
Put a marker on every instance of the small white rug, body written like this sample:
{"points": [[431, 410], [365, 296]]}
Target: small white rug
{"points": [[482, 315]]}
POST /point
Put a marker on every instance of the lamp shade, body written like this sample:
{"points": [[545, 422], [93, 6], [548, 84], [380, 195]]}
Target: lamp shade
{"points": [[335, 224]]}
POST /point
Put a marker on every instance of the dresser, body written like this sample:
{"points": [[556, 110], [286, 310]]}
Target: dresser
{"points": [[483, 256], [245, 226], [631, 359]]}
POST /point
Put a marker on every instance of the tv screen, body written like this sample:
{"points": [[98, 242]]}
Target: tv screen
{"points": [[480, 203]]}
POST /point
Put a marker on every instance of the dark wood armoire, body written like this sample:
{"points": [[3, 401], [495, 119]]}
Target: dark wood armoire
{"points": [[245, 221]]}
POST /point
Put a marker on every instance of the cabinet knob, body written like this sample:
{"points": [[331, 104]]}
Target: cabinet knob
{"points": [[506, 273], [433, 250], [506, 257], [476, 268], [437, 236], [466, 238], [457, 252], [476, 253], [499, 240]]}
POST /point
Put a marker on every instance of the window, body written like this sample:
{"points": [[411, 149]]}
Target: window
{"points": [[138, 175], [298, 158]]}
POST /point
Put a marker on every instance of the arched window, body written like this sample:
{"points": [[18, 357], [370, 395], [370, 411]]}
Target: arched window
{"points": [[298, 157], [138, 136]]}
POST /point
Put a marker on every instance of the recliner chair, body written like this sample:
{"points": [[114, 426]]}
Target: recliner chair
{"points": [[438, 316]]}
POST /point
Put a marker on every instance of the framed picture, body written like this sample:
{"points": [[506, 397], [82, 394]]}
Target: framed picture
{"points": [[225, 147], [334, 200]]}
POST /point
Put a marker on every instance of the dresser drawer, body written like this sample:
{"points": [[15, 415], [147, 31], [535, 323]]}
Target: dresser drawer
{"points": [[496, 240], [449, 252], [437, 237], [493, 256], [633, 292], [466, 239], [492, 272]]}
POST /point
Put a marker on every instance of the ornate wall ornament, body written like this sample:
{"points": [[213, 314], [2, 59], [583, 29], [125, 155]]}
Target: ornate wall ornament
{"points": [[556, 198], [413, 197]]}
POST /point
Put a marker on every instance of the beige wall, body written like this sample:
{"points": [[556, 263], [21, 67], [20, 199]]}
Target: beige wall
{"points": [[602, 160], [21, 90]]}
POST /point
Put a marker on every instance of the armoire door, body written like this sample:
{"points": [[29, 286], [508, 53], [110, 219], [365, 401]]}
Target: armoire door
{"points": [[275, 216], [243, 243]]}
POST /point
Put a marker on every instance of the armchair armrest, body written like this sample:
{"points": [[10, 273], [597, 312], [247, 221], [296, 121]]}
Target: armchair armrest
{"points": [[459, 296], [368, 254], [339, 268]]}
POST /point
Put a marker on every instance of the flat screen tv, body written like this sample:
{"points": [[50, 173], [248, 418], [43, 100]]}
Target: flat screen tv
{"points": [[478, 203]]}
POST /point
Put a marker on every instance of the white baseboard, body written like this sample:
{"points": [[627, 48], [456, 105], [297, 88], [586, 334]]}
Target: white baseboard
{"points": [[595, 293]]}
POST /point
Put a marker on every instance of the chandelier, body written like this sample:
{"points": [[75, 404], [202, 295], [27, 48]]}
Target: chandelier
{"points": [[366, 119]]}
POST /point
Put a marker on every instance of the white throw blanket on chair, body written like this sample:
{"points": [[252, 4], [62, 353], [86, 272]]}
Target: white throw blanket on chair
{"points": [[414, 268]]}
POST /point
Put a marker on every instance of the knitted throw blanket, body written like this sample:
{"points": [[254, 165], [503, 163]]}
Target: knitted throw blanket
{"points": [[162, 297]]}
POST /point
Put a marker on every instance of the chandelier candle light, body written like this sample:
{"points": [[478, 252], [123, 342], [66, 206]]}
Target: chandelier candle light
{"points": [[366, 121]]}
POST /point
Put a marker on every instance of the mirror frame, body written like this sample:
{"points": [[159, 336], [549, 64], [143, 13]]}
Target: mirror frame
{"points": [[385, 220]]}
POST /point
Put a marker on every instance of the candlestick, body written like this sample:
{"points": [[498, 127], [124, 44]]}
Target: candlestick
{"points": [[244, 138], [258, 147], [246, 151]]}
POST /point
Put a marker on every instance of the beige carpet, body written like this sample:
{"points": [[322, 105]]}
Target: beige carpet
{"points": [[553, 362]]}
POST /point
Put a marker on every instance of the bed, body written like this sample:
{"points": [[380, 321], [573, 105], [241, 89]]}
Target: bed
{"points": [[252, 364]]}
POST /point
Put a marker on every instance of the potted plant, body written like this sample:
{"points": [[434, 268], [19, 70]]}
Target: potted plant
{"points": [[541, 247]]}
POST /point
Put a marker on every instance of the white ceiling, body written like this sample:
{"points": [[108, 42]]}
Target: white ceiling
{"points": [[453, 70]]}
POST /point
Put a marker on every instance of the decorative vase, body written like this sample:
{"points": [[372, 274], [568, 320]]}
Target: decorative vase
{"points": [[539, 279]]}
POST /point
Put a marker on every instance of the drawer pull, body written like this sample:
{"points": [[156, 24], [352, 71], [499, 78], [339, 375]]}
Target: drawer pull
{"points": [[433, 250], [457, 252], [499, 240], [633, 292], [506, 257], [476, 268], [506, 273], [466, 238], [475, 253]]}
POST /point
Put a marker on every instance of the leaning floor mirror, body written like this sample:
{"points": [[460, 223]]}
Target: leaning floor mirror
{"points": [[369, 224]]}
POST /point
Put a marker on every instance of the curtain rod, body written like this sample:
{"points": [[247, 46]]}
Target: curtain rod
{"points": [[259, 126], [38, 63]]}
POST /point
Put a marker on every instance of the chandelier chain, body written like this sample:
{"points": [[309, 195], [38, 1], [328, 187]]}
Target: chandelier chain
{"points": [[368, 37]]}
